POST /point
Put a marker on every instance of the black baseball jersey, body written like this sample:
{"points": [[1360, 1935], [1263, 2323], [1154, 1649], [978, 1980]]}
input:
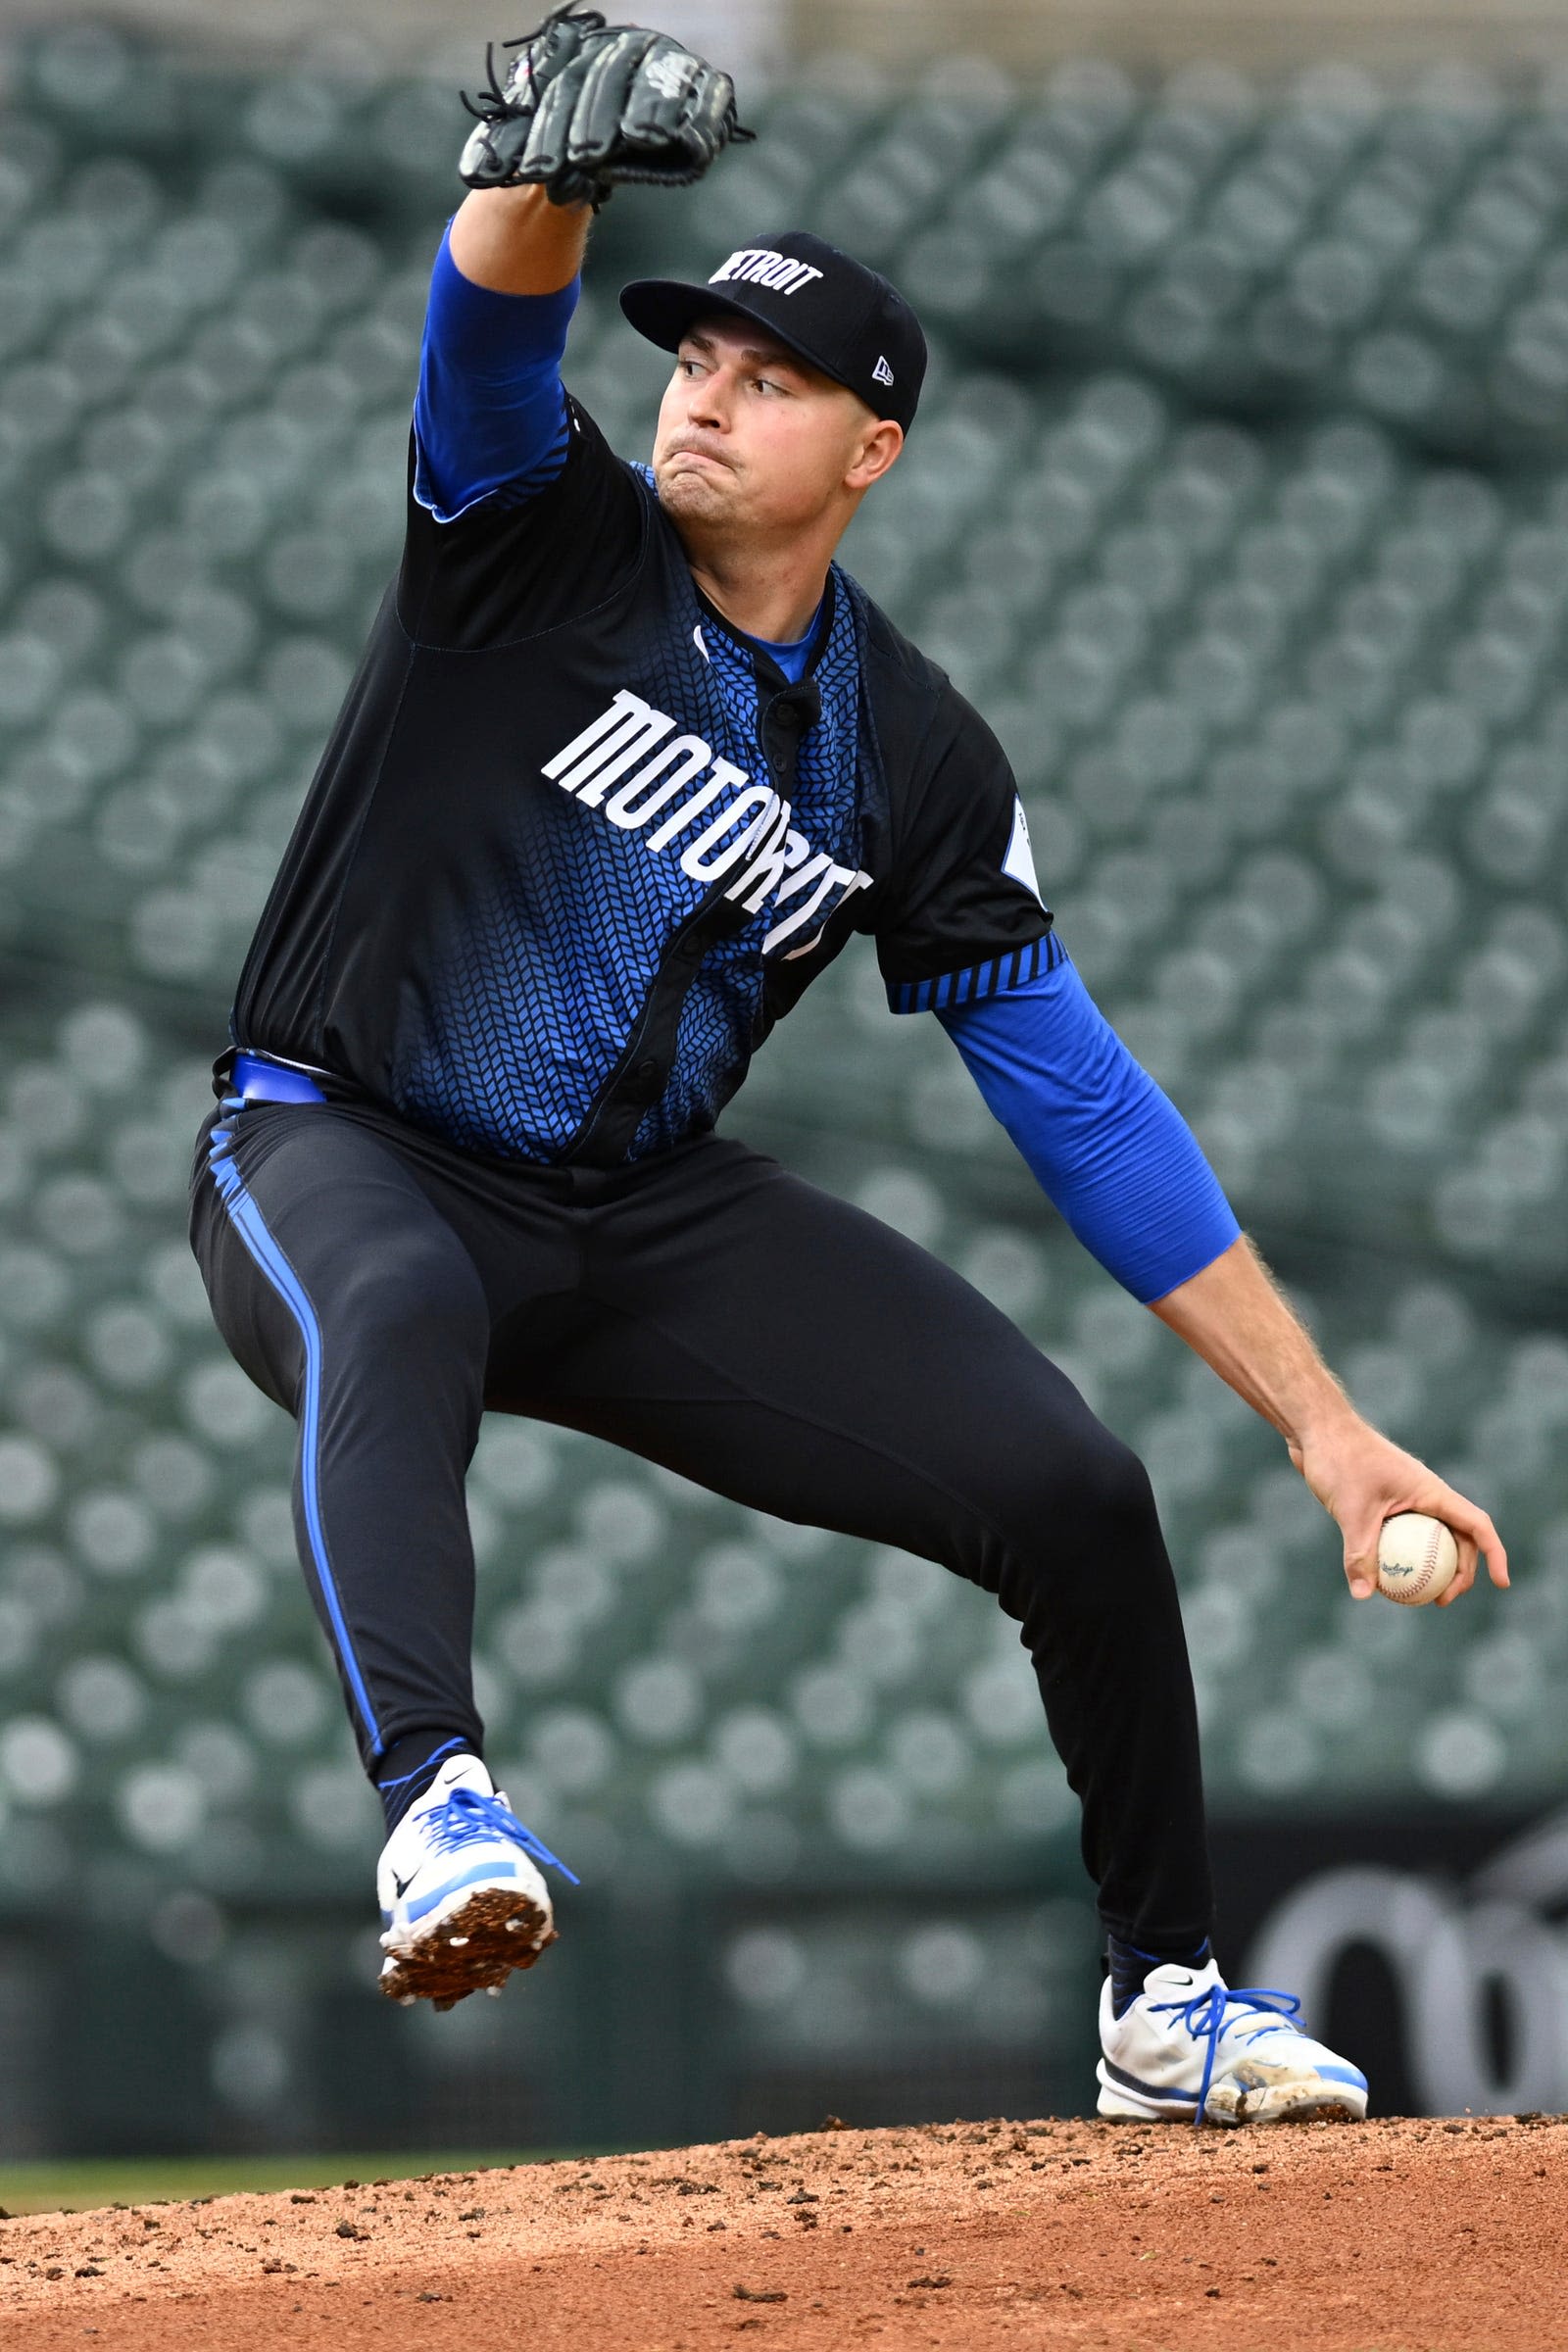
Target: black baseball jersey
{"points": [[574, 845]]}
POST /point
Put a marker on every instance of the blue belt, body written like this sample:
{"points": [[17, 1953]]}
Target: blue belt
{"points": [[257, 1081]]}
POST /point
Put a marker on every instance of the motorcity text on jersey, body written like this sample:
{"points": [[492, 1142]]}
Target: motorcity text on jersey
{"points": [[632, 767]]}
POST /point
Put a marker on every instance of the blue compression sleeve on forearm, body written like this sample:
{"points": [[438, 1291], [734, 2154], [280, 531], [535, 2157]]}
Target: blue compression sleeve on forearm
{"points": [[490, 416], [1108, 1147]]}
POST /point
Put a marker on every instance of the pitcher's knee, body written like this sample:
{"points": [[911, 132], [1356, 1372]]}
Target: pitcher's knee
{"points": [[1082, 1527], [411, 1293], [1065, 1489], [1110, 1491]]}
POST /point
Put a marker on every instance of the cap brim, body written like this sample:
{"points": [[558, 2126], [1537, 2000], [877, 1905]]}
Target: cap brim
{"points": [[666, 309]]}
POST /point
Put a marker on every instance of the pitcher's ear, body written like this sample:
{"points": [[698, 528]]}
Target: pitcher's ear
{"points": [[878, 451]]}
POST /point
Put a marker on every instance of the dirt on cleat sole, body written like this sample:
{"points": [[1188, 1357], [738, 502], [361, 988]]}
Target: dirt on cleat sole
{"points": [[1270, 2100], [474, 1949]]}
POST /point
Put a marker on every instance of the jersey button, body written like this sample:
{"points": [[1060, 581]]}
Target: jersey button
{"points": [[644, 1081]]}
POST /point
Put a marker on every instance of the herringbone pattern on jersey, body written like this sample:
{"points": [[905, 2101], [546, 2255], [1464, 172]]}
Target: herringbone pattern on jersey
{"points": [[542, 985], [545, 979], [722, 1019]]}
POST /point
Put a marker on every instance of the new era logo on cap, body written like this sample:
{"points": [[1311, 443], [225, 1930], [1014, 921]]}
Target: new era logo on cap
{"points": [[845, 318]]}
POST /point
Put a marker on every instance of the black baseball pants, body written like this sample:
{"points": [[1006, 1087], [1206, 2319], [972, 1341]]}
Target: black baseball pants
{"points": [[710, 1311]]}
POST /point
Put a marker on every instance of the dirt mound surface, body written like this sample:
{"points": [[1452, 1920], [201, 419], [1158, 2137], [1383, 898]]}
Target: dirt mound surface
{"points": [[1407, 2236]]}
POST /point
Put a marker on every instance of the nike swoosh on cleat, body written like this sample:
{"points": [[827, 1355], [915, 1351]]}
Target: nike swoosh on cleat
{"points": [[401, 1885]]}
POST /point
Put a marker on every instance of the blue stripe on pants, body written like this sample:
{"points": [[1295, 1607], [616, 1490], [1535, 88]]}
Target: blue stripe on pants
{"points": [[249, 1223]]}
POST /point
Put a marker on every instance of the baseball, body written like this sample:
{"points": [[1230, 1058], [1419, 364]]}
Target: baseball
{"points": [[1416, 1559]]}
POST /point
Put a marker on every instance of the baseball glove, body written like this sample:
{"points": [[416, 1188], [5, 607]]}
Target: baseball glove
{"points": [[587, 104]]}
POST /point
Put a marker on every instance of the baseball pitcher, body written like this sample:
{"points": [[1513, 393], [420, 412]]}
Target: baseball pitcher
{"points": [[626, 761]]}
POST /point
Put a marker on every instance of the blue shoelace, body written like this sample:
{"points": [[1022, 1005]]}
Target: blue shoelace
{"points": [[1203, 2016], [468, 1818]]}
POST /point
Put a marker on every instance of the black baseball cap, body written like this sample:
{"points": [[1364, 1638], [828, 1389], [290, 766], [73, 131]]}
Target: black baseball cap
{"points": [[847, 320]]}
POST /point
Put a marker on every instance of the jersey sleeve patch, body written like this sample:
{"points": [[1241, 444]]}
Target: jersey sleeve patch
{"points": [[1015, 970], [1020, 863]]}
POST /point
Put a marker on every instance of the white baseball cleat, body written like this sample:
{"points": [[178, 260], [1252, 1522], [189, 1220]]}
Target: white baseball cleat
{"points": [[462, 1903], [1190, 2049]]}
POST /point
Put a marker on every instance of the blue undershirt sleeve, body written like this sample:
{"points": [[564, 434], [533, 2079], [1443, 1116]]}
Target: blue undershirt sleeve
{"points": [[1109, 1148], [490, 415]]}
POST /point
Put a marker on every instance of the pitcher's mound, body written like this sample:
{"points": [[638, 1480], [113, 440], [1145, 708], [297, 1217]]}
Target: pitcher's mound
{"points": [[1403, 2237]]}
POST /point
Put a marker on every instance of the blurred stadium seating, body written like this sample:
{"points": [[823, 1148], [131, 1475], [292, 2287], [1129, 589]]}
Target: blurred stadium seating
{"points": [[1239, 504]]}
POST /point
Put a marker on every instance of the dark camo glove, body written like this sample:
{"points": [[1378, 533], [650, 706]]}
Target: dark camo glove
{"points": [[587, 104]]}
